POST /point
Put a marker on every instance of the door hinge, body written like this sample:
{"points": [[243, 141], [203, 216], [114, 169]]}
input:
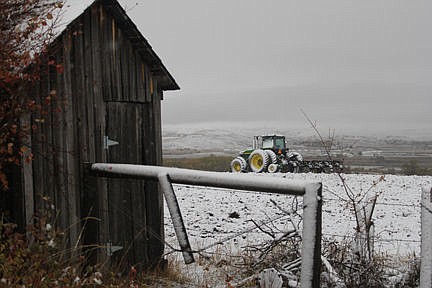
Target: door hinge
{"points": [[108, 142], [110, 249]]}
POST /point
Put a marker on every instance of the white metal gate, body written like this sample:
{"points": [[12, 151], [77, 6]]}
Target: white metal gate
{"points": [[311, 192]]}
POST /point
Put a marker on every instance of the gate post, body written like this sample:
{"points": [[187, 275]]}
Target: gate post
{"points": [[174, 209], [311, 236], [426, 239]]}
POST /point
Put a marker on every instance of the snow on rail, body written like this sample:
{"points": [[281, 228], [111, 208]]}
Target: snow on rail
{"points": [[206, 178]]}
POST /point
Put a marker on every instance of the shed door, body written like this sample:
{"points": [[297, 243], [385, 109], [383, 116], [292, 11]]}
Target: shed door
{"points": [[130, 201]]}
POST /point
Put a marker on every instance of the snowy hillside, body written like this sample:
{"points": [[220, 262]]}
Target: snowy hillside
{"points": [[212, 214], [214, 138]]}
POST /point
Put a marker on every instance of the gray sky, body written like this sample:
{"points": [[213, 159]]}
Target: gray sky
{"points": [[339, 60]]}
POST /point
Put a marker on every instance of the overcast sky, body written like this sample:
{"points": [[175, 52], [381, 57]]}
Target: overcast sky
{"points": [[362, 63]]}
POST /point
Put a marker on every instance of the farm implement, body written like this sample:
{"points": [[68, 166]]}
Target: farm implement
{"points": [[270, 154]]}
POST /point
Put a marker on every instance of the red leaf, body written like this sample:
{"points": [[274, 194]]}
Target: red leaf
{"points": [[60, 68]]}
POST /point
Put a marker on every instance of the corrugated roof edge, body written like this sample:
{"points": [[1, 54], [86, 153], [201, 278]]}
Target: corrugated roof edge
{"points": [[165, 80]]}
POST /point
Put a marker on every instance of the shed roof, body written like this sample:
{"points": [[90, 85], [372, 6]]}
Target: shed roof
{"points": [[165, 80]]}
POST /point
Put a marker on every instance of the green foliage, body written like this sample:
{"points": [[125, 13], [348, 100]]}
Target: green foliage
{"points": [[208, 163]]}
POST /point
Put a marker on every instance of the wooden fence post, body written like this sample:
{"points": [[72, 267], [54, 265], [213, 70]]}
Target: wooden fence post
{"points": [[426, 239]]}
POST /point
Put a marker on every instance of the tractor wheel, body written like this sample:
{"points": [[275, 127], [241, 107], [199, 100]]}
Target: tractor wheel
{"points": [[295, 156], [258, 161], [273, 168], [238, 164], [272, 156]]}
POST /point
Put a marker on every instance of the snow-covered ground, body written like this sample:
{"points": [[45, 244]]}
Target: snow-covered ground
{"points": [[214, 214]]}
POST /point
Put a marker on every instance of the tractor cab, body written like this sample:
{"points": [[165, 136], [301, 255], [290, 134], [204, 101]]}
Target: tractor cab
{"points": [[276, 143]]}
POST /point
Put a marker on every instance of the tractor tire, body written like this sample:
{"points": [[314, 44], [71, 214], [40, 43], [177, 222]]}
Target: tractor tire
{"points": [[258, 161], [238, 165], [273, 168], [295, 156], [272, 156]]}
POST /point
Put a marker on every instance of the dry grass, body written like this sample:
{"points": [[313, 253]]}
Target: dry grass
{"points": [[208, 163], [39, 263]]}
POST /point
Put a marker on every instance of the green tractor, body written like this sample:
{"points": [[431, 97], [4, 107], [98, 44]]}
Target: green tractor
{"points": [[269, 154]]}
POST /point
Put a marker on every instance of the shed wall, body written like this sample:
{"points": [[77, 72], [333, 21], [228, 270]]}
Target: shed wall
{"points": [[103, 88]]}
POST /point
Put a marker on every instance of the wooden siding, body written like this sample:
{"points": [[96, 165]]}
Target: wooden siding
{"points": [[125, 74], [106, 89]]}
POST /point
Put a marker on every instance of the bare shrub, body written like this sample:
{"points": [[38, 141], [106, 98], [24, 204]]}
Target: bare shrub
{"points": [[26, 29]]}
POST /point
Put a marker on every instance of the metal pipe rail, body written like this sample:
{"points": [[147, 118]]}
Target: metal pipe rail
{"points": [[311, 192]]}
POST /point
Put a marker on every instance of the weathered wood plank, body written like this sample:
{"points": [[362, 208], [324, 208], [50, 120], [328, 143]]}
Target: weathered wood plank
{"points": [[79, 93], [98, 118], [59, 127], [37, 148], [158, 125], [146, 136], [49, 150], [140, 78], [132, 74], [117, 39], [88, 84], [87, 187], [71, 142], [137, 195], [128, 154], [157, 148], [106, 40], [112, 68], [113, 184], [27, 174], [124, 67], [154, 214], [91, 205], [150, 84], [119, 189]]}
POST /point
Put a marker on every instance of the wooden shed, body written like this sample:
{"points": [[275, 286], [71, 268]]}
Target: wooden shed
{"points": [[103, 87]]}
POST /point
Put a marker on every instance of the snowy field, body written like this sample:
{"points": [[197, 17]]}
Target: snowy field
{"points": [[213, 214]]}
